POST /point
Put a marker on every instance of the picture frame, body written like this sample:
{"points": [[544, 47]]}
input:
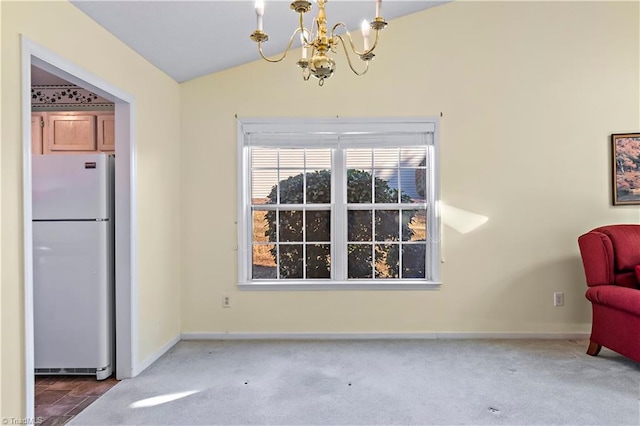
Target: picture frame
{"points": [[626, 168]]}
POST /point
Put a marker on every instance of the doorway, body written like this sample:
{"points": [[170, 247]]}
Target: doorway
{"points": [[125, 209]]}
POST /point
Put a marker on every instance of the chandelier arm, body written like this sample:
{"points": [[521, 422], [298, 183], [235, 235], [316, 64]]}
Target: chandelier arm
{"points": [[375, 43], [286, 50], [348, 34], [346, 52], [353, 47], [315, 25], [303, 29], [339, 24], [307, 35]]}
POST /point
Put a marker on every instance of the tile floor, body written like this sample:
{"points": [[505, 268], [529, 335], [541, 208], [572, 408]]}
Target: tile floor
{"points": [[60, 398]]}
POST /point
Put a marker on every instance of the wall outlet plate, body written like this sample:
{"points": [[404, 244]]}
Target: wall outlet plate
{"points": [[226, 301], [558, 298]]}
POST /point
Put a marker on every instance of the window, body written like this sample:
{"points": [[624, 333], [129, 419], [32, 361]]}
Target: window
{"points": [[338, 204]]}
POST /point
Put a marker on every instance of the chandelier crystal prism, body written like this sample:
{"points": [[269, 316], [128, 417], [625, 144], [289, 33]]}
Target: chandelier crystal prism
{"points": [[317, 42]]}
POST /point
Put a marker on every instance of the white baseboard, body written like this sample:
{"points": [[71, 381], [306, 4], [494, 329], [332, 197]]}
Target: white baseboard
{"points": [[137, 369], [362, 336], [525, 335]]}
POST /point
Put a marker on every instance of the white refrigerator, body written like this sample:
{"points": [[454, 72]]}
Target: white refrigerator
{"points": [[73, 264]]}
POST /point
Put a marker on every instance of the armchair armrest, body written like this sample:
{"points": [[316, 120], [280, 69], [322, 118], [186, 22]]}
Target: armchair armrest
{"points": [[620, 298], [597, 258]]}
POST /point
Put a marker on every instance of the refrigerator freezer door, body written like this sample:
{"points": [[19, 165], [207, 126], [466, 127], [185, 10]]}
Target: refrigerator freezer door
{"points": [[73, 294], [71, 186]]}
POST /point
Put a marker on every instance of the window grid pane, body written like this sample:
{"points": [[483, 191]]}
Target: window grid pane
{"points": [[390, 240], [289, 179], [397, 176]]}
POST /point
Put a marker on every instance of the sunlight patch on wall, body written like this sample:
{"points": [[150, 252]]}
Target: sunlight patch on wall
{"points": [[461, 220]]}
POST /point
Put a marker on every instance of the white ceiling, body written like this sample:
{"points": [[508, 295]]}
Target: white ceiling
{"points": [[41, 77], [189, 39]]}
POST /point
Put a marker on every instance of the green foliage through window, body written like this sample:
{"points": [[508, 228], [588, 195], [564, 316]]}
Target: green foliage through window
{"points": [[376, 252]]}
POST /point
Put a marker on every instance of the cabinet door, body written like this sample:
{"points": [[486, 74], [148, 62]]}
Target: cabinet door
{"points": [[71, 132], [106, 133], [37, 127]]}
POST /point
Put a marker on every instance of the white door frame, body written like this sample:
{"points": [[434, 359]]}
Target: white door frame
{"points": [[126, 357]]}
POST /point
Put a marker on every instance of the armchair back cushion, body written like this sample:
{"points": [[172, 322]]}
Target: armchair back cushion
{"points": [[610, 255], [625, 240]]}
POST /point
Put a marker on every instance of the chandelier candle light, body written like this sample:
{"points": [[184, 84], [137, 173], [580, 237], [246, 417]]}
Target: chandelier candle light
{"points": [[317, 63]]}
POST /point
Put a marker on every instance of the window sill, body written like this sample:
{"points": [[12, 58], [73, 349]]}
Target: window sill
{"points": [[264, 285]]}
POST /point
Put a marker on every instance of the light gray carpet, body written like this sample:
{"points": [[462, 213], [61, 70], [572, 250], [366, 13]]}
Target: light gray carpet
{"points": [[424, 382]]}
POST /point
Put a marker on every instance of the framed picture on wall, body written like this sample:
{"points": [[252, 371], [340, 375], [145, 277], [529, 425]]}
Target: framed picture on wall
{"points": [[626, 168]]}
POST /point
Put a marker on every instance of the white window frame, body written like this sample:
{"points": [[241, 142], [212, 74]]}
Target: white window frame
{"points": [[329, 130]]}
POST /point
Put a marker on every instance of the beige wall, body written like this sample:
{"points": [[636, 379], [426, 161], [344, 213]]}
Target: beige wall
{"points": [[63, 29], [529, 92]]}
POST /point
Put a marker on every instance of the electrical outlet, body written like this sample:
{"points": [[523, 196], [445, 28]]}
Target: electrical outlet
{"points": [[226, 302], [558, 298]]}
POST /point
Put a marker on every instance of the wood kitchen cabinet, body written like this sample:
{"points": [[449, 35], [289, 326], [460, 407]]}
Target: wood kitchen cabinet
{"points": [[73, 132], [70, 132], [106, 133], [37, 129]]}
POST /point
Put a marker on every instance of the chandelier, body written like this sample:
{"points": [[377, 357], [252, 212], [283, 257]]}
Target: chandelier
{"points": [[317, 42]]}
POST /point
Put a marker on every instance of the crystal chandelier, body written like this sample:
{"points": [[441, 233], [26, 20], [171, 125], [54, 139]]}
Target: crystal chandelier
{"points": [[317, 42]]}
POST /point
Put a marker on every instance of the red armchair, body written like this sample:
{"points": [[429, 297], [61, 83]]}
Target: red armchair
{"points": [[610, 255]]}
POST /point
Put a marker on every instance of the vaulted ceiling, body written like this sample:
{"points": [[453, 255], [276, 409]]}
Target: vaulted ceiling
{"points": [[189, 39]]}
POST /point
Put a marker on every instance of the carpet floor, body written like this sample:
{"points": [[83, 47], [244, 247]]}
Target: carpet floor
{"points": [[376, 382]]}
